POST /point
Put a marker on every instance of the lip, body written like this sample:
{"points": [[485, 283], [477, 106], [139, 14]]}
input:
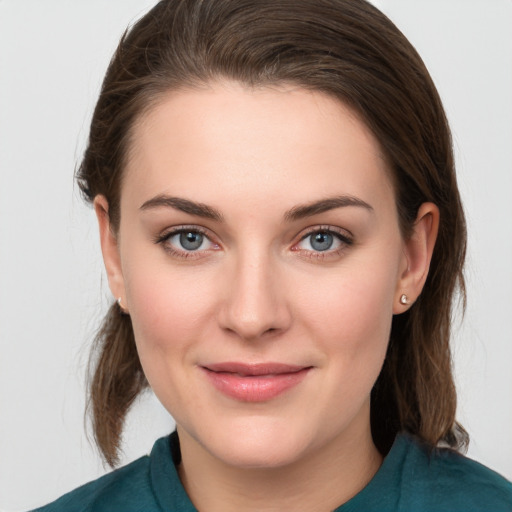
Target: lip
{"points": [[254, 382]]}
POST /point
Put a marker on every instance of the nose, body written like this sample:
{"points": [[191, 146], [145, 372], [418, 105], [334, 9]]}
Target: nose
{"points": [[255, 303]]}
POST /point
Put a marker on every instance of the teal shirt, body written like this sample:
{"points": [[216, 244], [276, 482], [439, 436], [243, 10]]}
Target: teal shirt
{"points": [[412, 478]]}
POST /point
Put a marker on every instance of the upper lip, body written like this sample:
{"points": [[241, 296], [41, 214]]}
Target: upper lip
{"points": [[254, 369]]}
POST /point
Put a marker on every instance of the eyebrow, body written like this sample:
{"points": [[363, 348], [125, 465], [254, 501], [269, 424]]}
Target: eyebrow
{"points": [[324, 205], [296, 213], [184, 205]]}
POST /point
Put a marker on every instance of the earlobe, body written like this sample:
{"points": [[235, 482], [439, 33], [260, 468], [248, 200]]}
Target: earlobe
{"points": [[418, 250], [109, 247]]}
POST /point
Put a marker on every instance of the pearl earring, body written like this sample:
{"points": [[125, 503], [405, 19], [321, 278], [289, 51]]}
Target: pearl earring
{"points": [[119, 303], [404, 300]]}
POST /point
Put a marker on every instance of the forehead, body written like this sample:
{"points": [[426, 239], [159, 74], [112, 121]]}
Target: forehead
{"points": [[227, 140]]}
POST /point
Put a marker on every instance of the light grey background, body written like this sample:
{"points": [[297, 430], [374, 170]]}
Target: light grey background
{"points": [[53, 54]]}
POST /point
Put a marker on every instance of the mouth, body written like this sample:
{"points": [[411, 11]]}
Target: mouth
{"points": [[259, 382]]}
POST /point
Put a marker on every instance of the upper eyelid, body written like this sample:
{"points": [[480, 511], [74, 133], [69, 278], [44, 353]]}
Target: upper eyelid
{"points": [[345, 233], [168, 232]]}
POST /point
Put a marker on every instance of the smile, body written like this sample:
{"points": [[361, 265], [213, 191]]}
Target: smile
{"points": [[254, 382]]}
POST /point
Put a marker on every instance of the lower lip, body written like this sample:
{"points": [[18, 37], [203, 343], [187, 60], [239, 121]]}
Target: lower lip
{"points": [[254, 388]]}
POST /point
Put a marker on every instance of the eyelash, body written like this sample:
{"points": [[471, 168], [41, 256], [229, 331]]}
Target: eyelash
{"points": [[344, 239], [183, 254]]}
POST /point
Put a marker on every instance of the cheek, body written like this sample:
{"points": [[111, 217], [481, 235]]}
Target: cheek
{"points": [[170, 312], [351, 315], [169, 309]]}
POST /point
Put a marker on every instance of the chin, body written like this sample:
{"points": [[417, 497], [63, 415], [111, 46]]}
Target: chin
{"points": [[264, 456], [258, 443]]}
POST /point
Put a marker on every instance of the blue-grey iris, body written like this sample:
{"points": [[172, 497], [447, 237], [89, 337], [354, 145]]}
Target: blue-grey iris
{"points": [[191, 240], [321, 241]]}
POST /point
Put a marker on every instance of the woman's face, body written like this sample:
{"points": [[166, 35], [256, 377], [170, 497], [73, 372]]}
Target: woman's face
{"points": [[261, 261]]}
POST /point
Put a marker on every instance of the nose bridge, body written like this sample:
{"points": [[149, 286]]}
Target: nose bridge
{"points": [[256, 303]]}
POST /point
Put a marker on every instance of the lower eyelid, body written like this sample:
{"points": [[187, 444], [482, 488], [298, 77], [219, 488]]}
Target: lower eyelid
{"points": [[184, 254], [322, 255]]}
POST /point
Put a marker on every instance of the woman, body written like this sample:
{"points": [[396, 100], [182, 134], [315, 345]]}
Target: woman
{"points": [[283, 234]]}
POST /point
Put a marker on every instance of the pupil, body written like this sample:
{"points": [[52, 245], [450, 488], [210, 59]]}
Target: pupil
{"points": [[321, 241], [191, 240]]}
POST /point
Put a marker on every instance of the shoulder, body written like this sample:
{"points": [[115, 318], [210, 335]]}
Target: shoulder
{"points": [[125, 489], [149, 484], [443, 479]]}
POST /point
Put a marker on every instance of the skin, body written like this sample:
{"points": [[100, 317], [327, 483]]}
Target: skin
{"points": [[258, 290]]}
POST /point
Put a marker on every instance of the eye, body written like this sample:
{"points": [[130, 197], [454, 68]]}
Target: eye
{"points": [[186, 242], [323, 241]]}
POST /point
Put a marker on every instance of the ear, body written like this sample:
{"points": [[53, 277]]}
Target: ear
{"points": [[109, 248], [418, 251]]}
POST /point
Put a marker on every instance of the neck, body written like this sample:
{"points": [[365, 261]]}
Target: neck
{"points": [[320, 481]]}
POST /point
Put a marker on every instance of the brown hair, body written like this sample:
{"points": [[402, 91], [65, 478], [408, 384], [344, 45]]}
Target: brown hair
{"points": [[344, 48]]}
